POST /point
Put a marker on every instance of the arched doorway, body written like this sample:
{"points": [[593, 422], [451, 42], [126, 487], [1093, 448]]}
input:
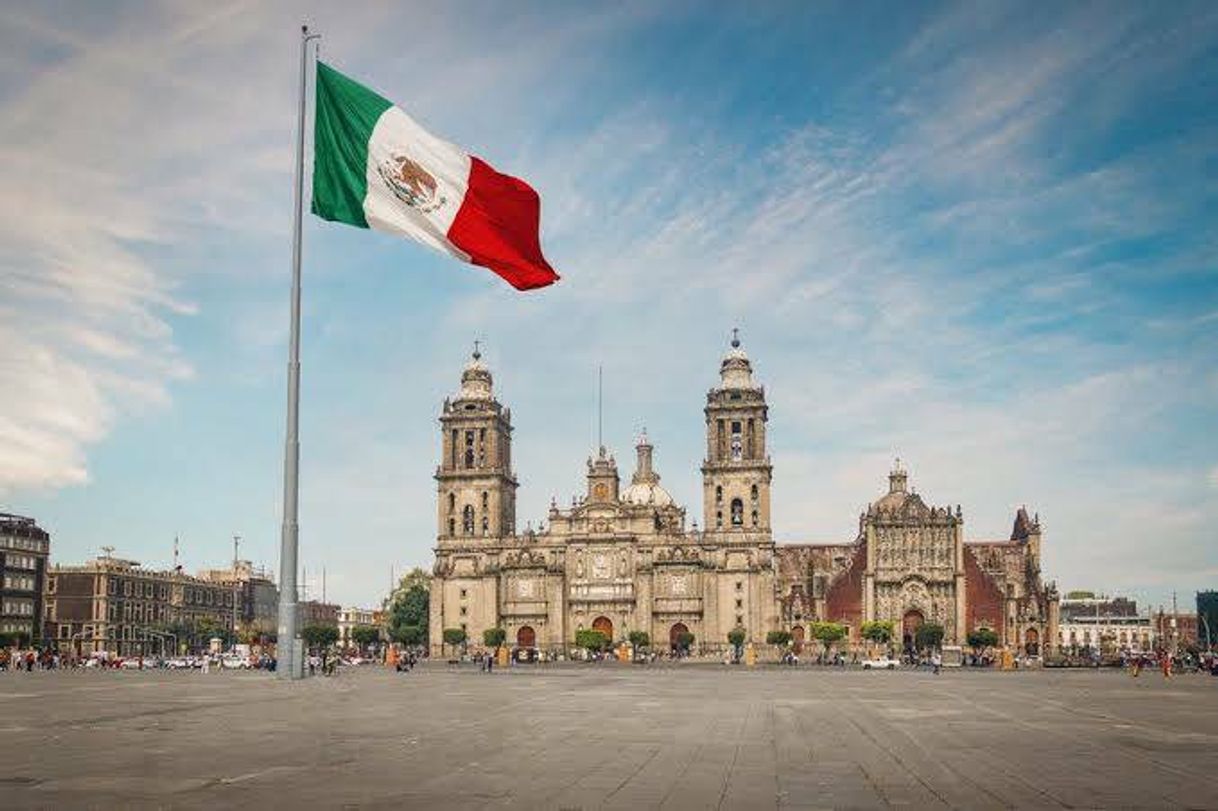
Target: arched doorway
{"points": [[1032, 642], [605, 626], [526, 637], [797, 639], [909, 627], [675, 638]]}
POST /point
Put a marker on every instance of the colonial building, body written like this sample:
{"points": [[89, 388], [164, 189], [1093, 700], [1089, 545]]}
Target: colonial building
{"points": [[351, 618], [24, 548], [622, 559], [1091, 624], [116, 605], [257, 595]]}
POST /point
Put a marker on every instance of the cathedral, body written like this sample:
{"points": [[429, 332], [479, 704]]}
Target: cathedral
{"points": [[621, 558]]}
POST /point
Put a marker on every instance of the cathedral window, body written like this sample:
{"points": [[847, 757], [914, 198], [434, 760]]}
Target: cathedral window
{"points": [[452, 526], [753, 493], [469, 448], [486, 526], [718, 494], [452, 502], [752, 435], [719, 520], [737, 512], [467, 520], [739, 585], [721, 441], [737, 442], [453, 446], [755, 521]]}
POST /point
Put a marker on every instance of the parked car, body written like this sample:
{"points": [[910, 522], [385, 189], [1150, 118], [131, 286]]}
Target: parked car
{"points": [[880, 663]]}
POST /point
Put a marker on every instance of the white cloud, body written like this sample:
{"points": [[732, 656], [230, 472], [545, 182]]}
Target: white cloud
{"points": [[901, 287]]}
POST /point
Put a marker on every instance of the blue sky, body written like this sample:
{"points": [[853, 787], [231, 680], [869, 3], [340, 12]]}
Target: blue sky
{"points": [[979, 236]]}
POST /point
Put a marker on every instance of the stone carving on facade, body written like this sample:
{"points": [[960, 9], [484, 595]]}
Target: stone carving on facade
{"points": [[524, 559], [600, 566], [678, 554]]}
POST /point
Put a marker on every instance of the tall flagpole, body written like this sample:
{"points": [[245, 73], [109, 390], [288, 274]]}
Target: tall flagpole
{"points": [[290, 664]]}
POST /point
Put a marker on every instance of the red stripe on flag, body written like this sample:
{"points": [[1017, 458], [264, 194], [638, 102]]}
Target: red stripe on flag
{"points": [[498, 225]]}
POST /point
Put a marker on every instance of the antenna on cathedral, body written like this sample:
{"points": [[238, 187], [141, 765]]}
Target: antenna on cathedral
{"points": [[477, 350], [735, 338]]}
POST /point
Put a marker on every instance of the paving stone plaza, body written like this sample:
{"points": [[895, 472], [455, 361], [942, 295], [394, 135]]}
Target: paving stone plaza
{"points": [[609, 736]]}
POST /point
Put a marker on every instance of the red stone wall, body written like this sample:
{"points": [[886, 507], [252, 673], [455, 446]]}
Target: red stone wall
{"points": [[985, 598], [844, 597]]}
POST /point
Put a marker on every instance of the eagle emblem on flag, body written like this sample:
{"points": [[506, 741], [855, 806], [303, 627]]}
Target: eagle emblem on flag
{"points": [[411, 183]]}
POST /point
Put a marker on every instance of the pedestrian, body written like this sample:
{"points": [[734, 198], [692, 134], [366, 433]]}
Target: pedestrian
{"points": [[936, 662], [490, 662]]}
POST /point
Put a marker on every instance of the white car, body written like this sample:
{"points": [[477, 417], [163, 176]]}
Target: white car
{"points": [[880, 663]]}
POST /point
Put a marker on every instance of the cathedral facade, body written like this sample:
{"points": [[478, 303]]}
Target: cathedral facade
{"points": [[621, 558]]}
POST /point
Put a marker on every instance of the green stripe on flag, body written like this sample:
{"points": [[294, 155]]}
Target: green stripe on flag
{"points": [[343, 120]]}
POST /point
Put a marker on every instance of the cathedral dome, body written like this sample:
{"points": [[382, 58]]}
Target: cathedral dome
{"points": [[647, 494], [897, 494], [645, 489]]}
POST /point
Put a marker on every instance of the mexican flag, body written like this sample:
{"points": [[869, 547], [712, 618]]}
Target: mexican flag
{"points": [[375, 167]]}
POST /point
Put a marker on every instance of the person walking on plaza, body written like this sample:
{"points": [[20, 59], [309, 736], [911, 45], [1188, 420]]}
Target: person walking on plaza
{"points": [[936, 662], [490, 661], [1165, 661]]}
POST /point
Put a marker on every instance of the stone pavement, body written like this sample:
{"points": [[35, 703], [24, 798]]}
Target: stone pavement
{"points": [[609, 736]]}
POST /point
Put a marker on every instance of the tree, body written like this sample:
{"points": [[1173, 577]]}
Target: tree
{"points": [[454, 636], [209, 628], [828, 633], [319, 636], [365, 635], [779, 638], [408, 635], [640, 639], [407, 608], [878, 631], [685, 641], [928, 635], [493, 637], [9, 639], [735, 638], [591, 639], [982, 638]]}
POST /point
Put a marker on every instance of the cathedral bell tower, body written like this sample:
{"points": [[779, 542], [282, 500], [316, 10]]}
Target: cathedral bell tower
{"points": [[737, 472], [476, 487]]}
